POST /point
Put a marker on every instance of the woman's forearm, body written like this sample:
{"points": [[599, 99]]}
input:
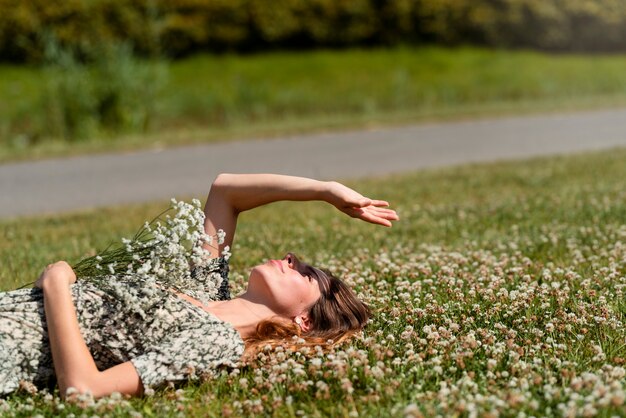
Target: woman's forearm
{"points": [[73, 364], [232, 194], [248, 191]]}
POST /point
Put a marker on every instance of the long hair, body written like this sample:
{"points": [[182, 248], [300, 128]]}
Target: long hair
{"points": [[334, 317]]}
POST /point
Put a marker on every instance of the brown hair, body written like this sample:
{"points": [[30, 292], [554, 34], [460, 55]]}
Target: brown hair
{"points": [[335, 317]]}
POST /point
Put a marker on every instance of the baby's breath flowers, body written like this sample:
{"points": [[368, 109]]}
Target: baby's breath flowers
{"points": [[162, 251]]}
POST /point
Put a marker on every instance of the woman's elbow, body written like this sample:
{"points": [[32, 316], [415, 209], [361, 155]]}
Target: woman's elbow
{"points": [[222, 187], [74, 387], [82, 385], [223, 181], [122, 379]]}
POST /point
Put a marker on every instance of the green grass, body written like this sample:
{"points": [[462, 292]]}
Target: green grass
{"points": [[500, 290], [214, 98]]}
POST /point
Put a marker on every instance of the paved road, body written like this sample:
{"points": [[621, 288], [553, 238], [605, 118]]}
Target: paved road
{"points": [[59, 185]]}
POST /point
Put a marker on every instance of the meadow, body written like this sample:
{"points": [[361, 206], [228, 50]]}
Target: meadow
{"points": [[501, 292], [51, 112]]}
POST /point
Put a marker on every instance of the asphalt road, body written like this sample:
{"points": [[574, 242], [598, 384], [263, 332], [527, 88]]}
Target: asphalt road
{"points": [[60, 185]]}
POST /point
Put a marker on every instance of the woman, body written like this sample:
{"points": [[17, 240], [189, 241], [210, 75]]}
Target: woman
{"points": [[105, 342]]}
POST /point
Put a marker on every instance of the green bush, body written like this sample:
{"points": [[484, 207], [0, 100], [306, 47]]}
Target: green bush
{"points": [[110, 92], [185, 26], [587, 25]]}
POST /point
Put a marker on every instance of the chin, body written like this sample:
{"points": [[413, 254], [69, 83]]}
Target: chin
{"points": [[261, 271], [259, 275]]}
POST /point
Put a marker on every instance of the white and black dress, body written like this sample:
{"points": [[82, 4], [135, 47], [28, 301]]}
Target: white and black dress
{"points": [[167, 338]]}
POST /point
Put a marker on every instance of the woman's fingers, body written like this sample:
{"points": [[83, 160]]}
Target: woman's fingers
{"points": [[370, 217], [380, 210], [375, 215], [389, 214], [379, 203], [370, 210]]}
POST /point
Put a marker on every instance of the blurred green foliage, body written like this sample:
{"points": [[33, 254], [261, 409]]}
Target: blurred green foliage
{"points": [[108, 91], [179, 27], [211, 97]]}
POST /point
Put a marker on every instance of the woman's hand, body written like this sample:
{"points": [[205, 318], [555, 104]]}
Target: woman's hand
{"points": [[357, 206], [58, 271]]}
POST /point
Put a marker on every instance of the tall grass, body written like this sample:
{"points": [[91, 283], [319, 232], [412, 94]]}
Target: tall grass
{"points": [[228, 89], [77, 95], [211, 97], [109, 91]]}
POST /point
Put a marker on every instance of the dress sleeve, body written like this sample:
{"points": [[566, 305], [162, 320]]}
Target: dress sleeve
{"points": [[215, 271], [189, 354]]}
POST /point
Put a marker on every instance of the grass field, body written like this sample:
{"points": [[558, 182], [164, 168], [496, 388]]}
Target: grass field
{"points": [[214, 98], [501, 292]]}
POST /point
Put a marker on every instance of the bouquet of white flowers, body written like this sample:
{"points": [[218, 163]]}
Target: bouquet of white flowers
{"points": [[161, 251]]}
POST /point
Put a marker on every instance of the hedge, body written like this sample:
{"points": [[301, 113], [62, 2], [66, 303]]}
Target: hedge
{"points": [[177, 27]]}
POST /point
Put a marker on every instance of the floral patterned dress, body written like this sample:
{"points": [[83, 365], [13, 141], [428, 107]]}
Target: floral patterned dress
{"points": [[167, 338]]}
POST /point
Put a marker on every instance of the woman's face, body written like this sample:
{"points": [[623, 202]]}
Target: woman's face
{"points": [[286, 286]]}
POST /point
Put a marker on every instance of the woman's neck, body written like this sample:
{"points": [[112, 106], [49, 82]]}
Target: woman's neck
{"points": [[242, 312]]}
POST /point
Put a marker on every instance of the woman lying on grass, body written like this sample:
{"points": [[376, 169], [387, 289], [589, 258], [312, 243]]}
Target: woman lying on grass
{"points": [[140, 337]]}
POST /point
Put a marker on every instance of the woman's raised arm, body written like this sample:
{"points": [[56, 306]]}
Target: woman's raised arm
{"points": [[232, 194]]}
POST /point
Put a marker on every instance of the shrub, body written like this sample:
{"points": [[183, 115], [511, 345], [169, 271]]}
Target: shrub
{"points": [[186, 26], [109, 91]]}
